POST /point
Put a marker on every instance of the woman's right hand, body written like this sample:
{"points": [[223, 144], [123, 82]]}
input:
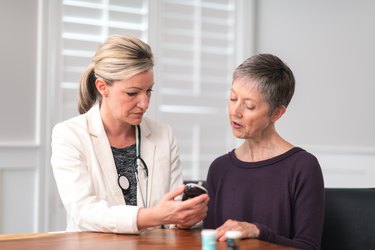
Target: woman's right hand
{"points": [[248, 230], [171, 211]]}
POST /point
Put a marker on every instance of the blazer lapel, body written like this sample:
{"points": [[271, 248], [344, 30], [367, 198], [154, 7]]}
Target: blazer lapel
{"points": [[103, 152], [148, 155]]}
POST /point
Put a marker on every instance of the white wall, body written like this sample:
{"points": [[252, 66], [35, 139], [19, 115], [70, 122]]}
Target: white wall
{"points": [[330, 47], [328, 44], [19, 142], [27, 191]]}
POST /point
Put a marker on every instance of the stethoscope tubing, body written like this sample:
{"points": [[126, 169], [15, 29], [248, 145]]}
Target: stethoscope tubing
{"points": [[123, 182]]}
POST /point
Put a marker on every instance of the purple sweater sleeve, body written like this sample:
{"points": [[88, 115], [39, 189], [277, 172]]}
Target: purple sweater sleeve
{"points": [[308, 210]]}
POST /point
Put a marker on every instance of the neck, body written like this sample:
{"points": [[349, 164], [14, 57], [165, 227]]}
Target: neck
{"points": [[252, 150], [120, 134]]}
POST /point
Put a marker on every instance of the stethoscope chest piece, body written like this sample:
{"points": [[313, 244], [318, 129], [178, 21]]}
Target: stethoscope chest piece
{"points": [[123, 182]]}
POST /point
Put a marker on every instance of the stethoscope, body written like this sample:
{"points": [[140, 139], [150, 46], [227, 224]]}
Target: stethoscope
{"points": [[123, 181]]}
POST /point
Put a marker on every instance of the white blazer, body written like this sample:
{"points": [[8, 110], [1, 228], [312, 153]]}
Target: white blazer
{"points": [[86, 175]]}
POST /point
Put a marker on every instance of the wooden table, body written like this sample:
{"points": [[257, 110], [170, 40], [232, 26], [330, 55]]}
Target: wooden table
{"points": [[151, 239]]}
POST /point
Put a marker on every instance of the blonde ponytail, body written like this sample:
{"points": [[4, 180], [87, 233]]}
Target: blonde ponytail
{"points": [[88, 93]]}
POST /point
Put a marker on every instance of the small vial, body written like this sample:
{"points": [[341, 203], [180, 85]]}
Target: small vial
{"points": [[233, 240], [208, 239]]}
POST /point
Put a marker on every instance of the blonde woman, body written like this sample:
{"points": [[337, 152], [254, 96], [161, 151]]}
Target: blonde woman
{"points": [[117, 170]]}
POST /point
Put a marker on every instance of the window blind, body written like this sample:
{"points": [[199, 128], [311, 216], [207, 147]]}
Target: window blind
{"points": [[196, 58], [195, 52], [86, 24]]}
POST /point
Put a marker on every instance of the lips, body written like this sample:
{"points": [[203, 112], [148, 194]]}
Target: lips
{"points": [[138, 113], [236, 125]]}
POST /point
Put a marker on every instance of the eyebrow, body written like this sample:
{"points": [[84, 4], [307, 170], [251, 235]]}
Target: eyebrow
{"points": [[137, 88], [246, 99]]}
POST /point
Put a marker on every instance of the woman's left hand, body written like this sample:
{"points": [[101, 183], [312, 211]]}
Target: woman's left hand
{"points": [[247, 230]]}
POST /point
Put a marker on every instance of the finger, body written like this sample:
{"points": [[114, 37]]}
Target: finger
{"points": [[175, 192], [220, 231], [198, 212], [191, 220], [221, 237], [203, 198]]}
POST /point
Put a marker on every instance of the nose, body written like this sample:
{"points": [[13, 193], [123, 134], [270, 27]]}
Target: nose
{"points": [[143, 101], [235, 108]]}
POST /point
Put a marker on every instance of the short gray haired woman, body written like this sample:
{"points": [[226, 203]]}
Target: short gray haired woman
{"points": [[117, 170], [266, 188]]}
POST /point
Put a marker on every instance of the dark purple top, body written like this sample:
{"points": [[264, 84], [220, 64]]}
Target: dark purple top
{"points": [[283, 196]]}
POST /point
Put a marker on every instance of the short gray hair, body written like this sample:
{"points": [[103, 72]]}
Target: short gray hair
{"points": [[272, 77]]}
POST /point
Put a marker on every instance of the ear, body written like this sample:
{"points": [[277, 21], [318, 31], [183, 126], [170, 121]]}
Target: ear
{"points": [[102, 87], [278, 113]]}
